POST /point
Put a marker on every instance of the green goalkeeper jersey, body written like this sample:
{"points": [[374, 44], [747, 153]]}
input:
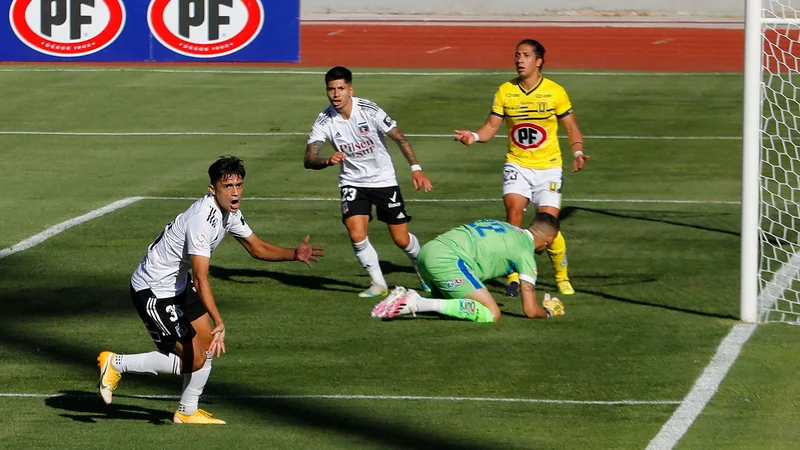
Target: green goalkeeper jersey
{"points": [[492, 248]]}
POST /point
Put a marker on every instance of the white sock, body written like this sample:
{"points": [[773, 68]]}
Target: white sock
{"points": [[193, 384], [430, 305], [413, 247], [152, 363], [368, 258]]}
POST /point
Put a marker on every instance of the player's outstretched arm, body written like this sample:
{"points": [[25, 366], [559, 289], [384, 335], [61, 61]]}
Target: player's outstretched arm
{"points": [[418, 177], [200, 265], [552, 306], [312, 160], [484, 133], [575, 141], [266, 251]]}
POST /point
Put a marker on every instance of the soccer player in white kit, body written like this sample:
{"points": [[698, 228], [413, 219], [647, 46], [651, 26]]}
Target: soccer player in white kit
{"points": [[356, 128], [177, 310]]}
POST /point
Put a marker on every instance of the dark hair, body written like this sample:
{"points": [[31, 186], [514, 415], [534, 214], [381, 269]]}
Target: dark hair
{"points": [[225, 167], [538, 49], [545, 223], [339, 73]]}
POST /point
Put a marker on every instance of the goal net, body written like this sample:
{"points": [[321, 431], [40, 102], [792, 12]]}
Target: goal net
{"points": [[778, 298]]}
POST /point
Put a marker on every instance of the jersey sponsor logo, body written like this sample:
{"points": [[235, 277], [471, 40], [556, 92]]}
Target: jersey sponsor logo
{"points": [[401, 216], [451, 284], [67, 28], [205, 28], [387, 121], [360, 148], [394, 205], [528, 136]]}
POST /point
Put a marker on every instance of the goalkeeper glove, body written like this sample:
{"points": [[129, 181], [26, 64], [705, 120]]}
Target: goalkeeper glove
{"points": [[553, 306]]}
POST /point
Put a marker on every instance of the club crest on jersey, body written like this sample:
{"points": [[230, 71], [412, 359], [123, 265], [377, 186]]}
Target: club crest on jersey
{"points": [[345, 207], [363, 128], [67, 28], [528, 136], [205, 28]]}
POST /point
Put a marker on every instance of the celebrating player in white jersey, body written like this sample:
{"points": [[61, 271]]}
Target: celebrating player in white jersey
{"points": [[356, 128], [177, 310]]}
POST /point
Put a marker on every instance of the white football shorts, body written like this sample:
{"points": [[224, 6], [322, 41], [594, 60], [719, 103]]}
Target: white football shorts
{"points": [[540, 186]]}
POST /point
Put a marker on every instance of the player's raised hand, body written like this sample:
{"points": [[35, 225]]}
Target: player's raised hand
{"points": [[307, 253], [465, 137], [217, 340], [421, 181], [336, 158], [579, 161]]}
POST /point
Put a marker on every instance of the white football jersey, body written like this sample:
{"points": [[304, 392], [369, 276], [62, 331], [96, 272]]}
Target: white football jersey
{"points": [[196, 231], [368, 163]]}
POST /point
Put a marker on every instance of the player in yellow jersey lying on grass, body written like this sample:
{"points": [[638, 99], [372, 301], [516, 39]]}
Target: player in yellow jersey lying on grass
{"points": [[532, 106], [455, 263]]}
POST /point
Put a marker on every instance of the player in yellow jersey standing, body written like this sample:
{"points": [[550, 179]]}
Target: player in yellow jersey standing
{"points": [[532, 106]]}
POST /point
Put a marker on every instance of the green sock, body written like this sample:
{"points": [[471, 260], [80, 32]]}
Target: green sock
{"points": [[465, 308]]}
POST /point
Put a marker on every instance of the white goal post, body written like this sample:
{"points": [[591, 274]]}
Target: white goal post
{"points": [[770, 243]]}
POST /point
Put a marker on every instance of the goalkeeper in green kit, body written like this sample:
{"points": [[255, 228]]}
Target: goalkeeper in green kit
{"points": [[455, 263]]}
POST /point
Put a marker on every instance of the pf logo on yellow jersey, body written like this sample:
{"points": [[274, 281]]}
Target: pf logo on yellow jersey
{"points": [[528, 135]]}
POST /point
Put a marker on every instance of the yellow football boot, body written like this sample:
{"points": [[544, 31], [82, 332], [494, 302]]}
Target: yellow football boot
{"points": [[199, 417], [565, 287], [109, 376]]}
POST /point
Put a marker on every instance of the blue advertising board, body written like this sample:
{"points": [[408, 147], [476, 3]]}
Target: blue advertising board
{"points": [[151, 30]]}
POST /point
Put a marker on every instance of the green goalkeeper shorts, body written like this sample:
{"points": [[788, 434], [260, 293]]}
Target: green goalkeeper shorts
{"points": [[443, 269]]}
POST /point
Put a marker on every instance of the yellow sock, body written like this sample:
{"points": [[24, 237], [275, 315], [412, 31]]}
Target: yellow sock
{"points": [[558, 256], [512, 278]]}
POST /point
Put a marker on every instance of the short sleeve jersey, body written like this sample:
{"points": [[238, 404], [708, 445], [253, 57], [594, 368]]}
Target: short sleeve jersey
{"points": [[361, 138], [493, 248], [196, 231], [532, 121]]}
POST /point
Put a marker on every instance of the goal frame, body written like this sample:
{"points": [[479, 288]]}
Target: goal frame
{"points": [[751, 160]]}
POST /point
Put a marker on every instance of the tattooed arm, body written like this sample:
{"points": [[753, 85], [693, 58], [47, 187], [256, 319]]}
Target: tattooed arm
{"points": [[312, 160], [405, 147], [419, 179]]}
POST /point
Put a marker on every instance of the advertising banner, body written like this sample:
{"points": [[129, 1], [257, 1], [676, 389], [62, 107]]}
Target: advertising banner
{"points": [[151, 30]]}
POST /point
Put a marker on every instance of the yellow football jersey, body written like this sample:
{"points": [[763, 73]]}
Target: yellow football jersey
{"points": [[532, 121]]}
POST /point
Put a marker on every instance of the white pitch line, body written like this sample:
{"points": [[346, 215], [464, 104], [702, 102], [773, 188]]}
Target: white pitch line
{"points": [[301, 133], [440, 49], [56, 229], [475, 200], [728, 351], [371, 397], [24, 69], [704, 388]]}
